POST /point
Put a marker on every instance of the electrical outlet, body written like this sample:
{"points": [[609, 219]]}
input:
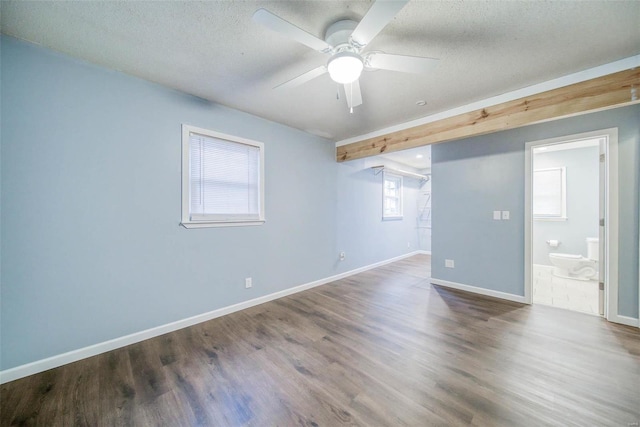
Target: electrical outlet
{"points": [[248, 282], [496, 215], [449, 263], [505, 214], [343, 255]]}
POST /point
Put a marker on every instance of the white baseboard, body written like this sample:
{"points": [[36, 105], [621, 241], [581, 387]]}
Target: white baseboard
{"points": [[420, 251], [95, 349], [624, 320], [477, 290]]}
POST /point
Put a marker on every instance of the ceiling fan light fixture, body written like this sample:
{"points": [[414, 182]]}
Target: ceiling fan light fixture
{"points": [[345, 67]]}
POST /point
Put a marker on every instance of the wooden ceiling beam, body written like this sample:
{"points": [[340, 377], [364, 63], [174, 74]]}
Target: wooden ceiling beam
{"points": [[610, 91]]}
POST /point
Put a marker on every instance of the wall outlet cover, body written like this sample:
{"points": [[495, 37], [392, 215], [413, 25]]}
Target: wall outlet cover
{"points": [[248, 282], [505, 214], [496, 215]]}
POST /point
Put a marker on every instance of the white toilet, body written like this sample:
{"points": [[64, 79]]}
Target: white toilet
{"points": [[576, 266]]}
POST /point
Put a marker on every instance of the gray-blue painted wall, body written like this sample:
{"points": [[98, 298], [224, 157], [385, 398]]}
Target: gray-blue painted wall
{"points": [[475, 176], [582, 176], [90, 188]]}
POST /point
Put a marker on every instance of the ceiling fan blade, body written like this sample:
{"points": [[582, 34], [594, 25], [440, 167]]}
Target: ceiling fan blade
{"points": [[279, 25], [303, 78], [402, 63], [376, 18], [352, 94]]}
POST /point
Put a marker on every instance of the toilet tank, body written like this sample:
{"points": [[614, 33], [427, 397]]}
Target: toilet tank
{"points": [[593, 248]]}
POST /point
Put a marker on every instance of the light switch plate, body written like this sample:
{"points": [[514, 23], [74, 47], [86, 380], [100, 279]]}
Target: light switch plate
{"points": [[496, 215], [505, 214]]}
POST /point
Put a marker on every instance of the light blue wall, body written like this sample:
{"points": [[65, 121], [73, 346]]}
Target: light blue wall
{"points": [[471, 179], [474, 176], [582, 172], [90, 181]]}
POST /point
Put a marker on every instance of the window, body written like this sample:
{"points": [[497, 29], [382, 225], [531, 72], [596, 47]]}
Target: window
{"points": [[222, 179], [549, 194], [391, 196]]}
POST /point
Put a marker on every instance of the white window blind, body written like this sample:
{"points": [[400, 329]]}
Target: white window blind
{"points": [[391, 196], [549, 192], [224, 179]]}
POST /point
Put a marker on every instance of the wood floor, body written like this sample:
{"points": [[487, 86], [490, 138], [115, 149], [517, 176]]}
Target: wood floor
{"points": [[382, 348]]}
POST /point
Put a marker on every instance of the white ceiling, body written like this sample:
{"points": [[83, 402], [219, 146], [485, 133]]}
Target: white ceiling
{"points": [[417, 158], [215, 51]]}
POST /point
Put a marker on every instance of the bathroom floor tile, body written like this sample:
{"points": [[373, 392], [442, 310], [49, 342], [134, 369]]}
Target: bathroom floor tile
{"points": [[543, 299], [576, 295]]}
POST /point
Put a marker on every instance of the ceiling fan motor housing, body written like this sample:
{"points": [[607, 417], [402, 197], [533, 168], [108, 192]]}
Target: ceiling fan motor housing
{"points": [[338, 34]]}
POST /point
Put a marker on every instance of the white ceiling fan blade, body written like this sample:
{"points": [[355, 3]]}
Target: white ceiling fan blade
{"points": [[402, 63], [303, 78], [352, 94], [279, 25], [377, 17]]}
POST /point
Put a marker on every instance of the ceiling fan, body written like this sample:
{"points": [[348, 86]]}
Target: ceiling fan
{"points": [[345, 41]]}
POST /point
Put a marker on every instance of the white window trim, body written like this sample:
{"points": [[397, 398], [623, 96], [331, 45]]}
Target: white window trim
{"points": [[400, 215], [187, 222], [563, 207]]}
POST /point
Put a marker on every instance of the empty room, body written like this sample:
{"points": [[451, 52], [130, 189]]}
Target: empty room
{"points": [[319, 213]]}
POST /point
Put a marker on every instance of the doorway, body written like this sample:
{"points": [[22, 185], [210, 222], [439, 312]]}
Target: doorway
{"points": [[571, 229]]}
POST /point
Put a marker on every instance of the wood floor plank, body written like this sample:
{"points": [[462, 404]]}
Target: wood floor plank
{"points": [[116, 404], [381, 348]]}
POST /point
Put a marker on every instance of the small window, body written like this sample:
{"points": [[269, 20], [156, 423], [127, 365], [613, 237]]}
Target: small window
{"points": [[222, 179], [391, 196], [550, 194]]}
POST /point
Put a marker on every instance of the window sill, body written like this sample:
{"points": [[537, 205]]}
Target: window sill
{"points": [[212, 224], [392, 218]]}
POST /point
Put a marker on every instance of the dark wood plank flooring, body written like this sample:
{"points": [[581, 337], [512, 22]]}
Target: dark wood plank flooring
{"points": [[382, 348]]}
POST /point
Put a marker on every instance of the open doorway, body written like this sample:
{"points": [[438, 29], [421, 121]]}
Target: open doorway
{"points": [[414, 164], [571, 223]]}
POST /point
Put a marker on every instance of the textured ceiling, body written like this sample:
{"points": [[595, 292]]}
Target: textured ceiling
{"points": [[215, 51]]}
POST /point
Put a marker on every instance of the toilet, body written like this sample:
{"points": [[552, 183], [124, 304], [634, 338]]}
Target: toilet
{"points": [[576, 266]]}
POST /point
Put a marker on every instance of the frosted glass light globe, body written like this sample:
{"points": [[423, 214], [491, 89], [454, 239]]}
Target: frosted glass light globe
{"points": [[345, 67]]}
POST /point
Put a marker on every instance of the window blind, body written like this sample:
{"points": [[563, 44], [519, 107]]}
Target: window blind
{"points": [[548, 193], [224, 180], [392, 196]]}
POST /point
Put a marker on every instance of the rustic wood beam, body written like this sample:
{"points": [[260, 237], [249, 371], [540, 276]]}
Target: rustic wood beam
{"points": [[610, 91]]}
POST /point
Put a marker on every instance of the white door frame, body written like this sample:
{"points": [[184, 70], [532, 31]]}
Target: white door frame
{"points": [[611, 216]]}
